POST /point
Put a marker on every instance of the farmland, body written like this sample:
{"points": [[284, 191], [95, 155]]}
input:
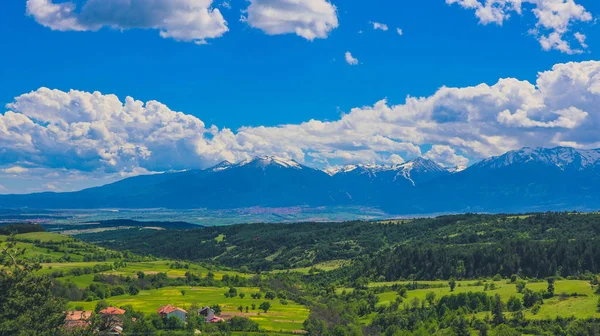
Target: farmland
{"points": [[283, 316], [280, 317]]}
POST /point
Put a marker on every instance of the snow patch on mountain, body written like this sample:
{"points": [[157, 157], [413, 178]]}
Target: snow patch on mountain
{"points": [[264, 161], [561, 157]]}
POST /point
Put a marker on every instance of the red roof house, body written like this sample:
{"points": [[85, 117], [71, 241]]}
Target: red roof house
{"points": [[112, 311], [170, 310], [78, 319]]}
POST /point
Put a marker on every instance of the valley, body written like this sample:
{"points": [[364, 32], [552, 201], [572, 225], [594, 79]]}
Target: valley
{"points": [[366, 276]]}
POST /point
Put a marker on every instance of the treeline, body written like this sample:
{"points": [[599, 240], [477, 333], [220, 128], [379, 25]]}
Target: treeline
{"points": [[9, 229], [107, 285], [263, 247], [526, 258]]}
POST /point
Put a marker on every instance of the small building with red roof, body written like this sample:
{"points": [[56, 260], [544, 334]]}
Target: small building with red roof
{"points": [[170, 310], [78, 319], [112, 311]]}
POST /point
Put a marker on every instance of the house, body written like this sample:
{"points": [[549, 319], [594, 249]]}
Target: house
{"points": [[111, 311], [170, 310], [78, 319], [111, 318], [209, 315]]}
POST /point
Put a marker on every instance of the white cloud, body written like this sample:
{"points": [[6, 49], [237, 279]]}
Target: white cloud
{"points": [[182, 20], [379, 26], [581, 39], [399, 31], [309, 19], [446, 156], [554, 18], [14, 170], [66, 136], [51, 186], [350, 59]]}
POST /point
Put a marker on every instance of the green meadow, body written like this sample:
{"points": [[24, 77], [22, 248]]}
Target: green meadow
{"points": [[279, 318], [583, 306]]}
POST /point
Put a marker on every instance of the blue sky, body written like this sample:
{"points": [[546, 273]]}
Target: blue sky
{"points": [[249, 77]]}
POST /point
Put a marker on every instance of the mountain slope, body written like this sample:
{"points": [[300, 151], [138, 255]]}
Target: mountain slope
{"points": [[533, 179], [527, 179]]}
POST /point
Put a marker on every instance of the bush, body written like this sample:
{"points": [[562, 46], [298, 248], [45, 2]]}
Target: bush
{"points": [[514, 304], [536, 309], [238, 323]]}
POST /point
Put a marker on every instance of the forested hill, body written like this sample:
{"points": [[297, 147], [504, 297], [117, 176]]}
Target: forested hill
{"points": [[462, 246]]}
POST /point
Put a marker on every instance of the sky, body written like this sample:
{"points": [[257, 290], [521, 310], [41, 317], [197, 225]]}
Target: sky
{"points": [[93, 91]]}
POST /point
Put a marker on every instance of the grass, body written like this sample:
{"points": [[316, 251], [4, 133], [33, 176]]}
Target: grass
{"points": [[51, 267], [579, 307], [43, 236], [280, 318], [324, 266], [132, 268]]}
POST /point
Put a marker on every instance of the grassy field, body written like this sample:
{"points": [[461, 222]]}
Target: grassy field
{"points": [[280, 318], [132, 268], [324, 266], [43, 236], [580, 307]]}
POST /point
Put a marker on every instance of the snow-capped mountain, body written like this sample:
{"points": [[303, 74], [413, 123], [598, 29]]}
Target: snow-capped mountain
{"points": [[522, 180], [559, 157], [265, 161], [415, 171]]}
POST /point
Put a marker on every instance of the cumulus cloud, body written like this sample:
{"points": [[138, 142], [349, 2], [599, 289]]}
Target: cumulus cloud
{"points": [[182, 20], [554, 18], [309, 19], [58, 134], [446, 156], [581, 39], [350, 59], [399, 31], [379, 26]]}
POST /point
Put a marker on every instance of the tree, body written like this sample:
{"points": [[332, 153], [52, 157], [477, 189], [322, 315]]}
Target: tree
{"points": [[452, 284], [242, 295], [498, 311], [28, 306], [265, 306], [551, 281], [530, 298], [174, 323], [520, 286], [270, 296], [460, 326], [505, 330], [514, 304], [430, 297], [598, 307], [481, 326], [100, 306], [216, 309], [241, 309]]}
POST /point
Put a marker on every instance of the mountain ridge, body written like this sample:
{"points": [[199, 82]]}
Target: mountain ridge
{"points": [[525, 179]]}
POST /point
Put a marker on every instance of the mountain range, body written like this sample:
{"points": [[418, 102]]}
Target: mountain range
{"points": [[529, 179]]}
